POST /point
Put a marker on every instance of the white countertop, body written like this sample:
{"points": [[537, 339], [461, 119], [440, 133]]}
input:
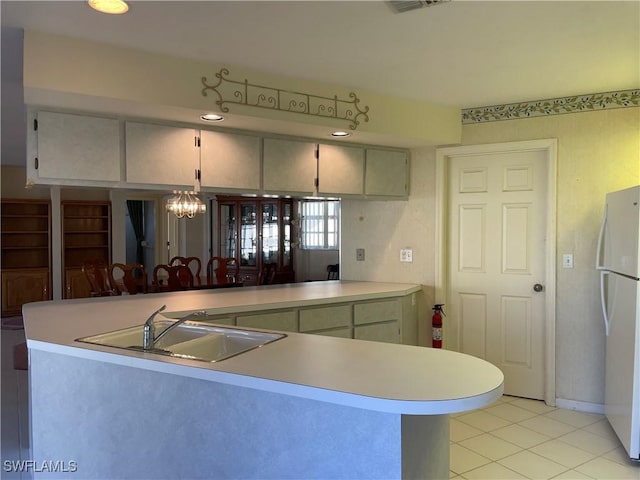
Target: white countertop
{"points": [[371, 375]]}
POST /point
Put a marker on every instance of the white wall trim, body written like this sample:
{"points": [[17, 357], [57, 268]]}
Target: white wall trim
{"points": [[580, 406], [550, 146], [57, 275]]}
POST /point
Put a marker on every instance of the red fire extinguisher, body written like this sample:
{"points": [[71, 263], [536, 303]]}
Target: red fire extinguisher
{"points": [[436, 325]]}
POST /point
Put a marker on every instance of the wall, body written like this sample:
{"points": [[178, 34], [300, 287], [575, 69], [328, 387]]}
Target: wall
{"points": [[312, 264], [382, 228], [13, 179], [598, 152], [76, 74]]}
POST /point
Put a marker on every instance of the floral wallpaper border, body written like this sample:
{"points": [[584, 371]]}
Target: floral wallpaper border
{"points": [[553, 106]]}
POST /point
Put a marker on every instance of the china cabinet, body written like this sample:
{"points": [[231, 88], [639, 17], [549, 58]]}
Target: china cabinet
{"points": [[257, 231], [26, 253]]}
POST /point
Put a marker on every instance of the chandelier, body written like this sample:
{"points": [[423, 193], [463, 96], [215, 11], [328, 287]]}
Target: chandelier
{"points": [[185, 204]]}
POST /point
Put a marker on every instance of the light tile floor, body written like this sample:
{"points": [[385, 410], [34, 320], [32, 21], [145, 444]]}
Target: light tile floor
{"points": [[519, 438]]}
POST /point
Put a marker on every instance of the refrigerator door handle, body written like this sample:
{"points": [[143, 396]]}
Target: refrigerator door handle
{"points": [[600, 266], [607, 323]]}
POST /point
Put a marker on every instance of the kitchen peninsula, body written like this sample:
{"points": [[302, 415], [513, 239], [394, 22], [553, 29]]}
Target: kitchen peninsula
{"points": [[304, 406]]}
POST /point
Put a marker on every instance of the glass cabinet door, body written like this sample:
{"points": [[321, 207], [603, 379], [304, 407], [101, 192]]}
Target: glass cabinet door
{"points": [[227, 232], [257, 231], [270, 233], [286, 234], [248, 235]]}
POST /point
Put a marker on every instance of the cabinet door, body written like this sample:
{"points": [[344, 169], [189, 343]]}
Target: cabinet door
{"points": [[387, 173], [324, 318], [289, 166], [375, 312], [340, 170], [78, 147], [161, 155], [378, 332], [229, 160], [284, 321], [344, 332], [76, 284], [23, 286]]}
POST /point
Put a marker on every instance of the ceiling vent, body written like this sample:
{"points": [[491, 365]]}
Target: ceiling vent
{"points": [[400, 6]]}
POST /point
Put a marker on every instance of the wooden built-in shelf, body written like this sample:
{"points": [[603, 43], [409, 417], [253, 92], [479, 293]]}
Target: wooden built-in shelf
{"points": [[86, 237], [26, 253]]}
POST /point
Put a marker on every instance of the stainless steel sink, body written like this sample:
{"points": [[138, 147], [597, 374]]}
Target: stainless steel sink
{"points": [[192, 340]]}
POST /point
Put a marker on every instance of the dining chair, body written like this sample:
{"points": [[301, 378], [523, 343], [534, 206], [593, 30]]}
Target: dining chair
{"points": [[192, 262], [177, 277], [97, 274], [129, 277], [267, 274], [333, 272], [225, 270]]}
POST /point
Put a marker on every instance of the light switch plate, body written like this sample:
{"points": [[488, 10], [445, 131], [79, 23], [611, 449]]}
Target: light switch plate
{"points": [[567, 260], [406, 255], [360, 254]]}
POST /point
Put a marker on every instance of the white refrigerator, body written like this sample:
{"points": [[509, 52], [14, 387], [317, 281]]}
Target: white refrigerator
{"points": [[619, 265]]}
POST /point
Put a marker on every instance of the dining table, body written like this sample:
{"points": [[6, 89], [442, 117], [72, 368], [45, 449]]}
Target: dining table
{"points": [[199, 283]]}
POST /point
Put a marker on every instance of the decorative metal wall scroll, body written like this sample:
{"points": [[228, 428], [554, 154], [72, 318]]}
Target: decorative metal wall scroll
{"points": [[554, 106], [251, 95]]}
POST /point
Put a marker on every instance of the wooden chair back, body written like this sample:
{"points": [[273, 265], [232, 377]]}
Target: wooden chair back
{"points": [[267, 274], [178, 277], [132, 277], [224, 270], [97, 274], [333, 272], [192, 262]]}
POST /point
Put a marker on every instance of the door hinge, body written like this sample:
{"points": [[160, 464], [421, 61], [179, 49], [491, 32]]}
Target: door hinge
{"points": [[35, 124], [36, 162]]}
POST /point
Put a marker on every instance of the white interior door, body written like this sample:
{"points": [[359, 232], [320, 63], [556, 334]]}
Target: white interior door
{"points": [[497, 217]]}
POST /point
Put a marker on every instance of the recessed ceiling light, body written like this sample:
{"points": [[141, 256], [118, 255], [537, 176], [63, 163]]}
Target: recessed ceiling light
{"points": [[113, 7], [340, 134], [211, 117]]}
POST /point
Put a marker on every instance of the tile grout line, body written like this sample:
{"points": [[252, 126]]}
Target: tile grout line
{"points": [[574, 428]]}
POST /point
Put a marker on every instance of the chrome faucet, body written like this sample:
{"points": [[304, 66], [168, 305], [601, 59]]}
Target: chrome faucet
{"points": [[149, 337]]}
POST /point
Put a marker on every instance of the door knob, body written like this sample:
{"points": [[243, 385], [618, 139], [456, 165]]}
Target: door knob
{"points": [[538, 287]]}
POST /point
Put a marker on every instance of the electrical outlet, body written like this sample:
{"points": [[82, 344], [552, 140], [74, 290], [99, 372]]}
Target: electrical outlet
{"points": [[360, 254], [567, 260], [406, 255]]}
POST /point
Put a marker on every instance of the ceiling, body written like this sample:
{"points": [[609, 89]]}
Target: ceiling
{"points": [[459, 53], [462, 53]]}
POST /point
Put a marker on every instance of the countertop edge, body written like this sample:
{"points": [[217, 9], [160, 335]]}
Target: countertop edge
{"points": [[385, 405]]}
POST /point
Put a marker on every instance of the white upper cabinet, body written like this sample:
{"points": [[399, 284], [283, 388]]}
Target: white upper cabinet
{"points": [[230, 161], [340, 170], [162, 155], [289, 166], [387, 173], [74, 147]]}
